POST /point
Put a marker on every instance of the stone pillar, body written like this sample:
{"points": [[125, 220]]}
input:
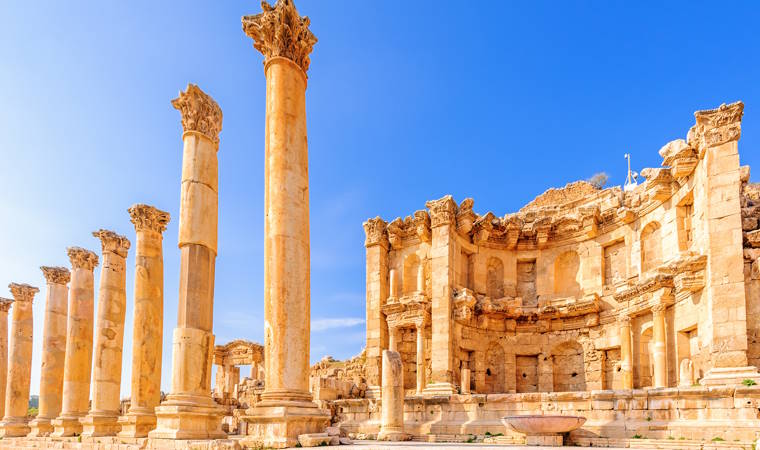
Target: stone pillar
{"points": [[626, 352], [102, 420], [379, 280], [5, 305], [466, 376], [148, 326], [421, 277], [53, 349], [658, 347], [393, 337], [420, 358], [78, 365], [392, 426], [19, 362], [286, 408], [443, 218], [189, 412], [254, 370]]}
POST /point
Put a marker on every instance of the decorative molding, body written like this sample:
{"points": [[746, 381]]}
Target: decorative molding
{"points": [[148, 218], [717, 126], [422, 226], [375, 232], [659, 308], [680, 157], [442, 211], [200, 113], [465, 216], [279, 31], [482, 228], [5, 304], [112, 242], [23, 292], [658, 184], [56, 275], [82, 258]]}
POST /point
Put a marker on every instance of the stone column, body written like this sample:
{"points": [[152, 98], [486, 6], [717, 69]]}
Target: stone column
{"points": [[53, 349], [658, 347], [19, 362], [102, 420], [466, 376], [148, 326], [5, 305], [393, 336], [443, 219], [392, 426], [78, 365], [189, 412], [421, 277], [286, 408], [420, 358], [626, 352], [379, 280]]}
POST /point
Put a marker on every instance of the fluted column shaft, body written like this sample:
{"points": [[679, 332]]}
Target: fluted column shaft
{"points": [[5, 305], [626, 353], [19, 362], [658, 347], [53, 349]]}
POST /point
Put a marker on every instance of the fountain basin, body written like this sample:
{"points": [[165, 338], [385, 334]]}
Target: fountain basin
{"points": [[544, 430]]}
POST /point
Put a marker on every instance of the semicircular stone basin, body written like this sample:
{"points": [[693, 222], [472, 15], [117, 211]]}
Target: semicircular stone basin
{"points": [[544, 425]]}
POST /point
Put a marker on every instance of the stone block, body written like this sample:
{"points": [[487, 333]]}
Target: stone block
{"points": [[313, 439]]}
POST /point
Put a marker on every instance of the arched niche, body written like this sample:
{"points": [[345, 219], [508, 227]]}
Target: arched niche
{"points": [[568, 367], [566, 269], [494, 278], [651, 246], [495, 374]]}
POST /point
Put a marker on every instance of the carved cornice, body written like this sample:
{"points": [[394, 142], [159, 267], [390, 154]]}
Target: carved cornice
{"points": [[5, 304], [663, 279], [717, 126], [82, 258], [465, 216], [624, 320], [422, 225], [56, 275], [200, 113], [23, 292], [112, 242], [482, 228], [409, 311], [442, 211], [659, 183], [680, 157], [279, 31], [375, 232], [464, 305], [148, 218]]}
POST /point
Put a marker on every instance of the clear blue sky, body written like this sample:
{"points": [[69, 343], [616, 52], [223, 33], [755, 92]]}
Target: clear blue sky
{"points": [[407, 101]]}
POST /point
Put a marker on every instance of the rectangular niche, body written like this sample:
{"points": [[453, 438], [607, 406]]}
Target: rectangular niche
{"points": [[526, 283], [614, 264], [526, 373]]}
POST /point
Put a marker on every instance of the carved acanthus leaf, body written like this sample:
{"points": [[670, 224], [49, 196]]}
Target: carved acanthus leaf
{"points": [[23, 292], [200, 113], [280, 31], [82, 258], [717, 126], [56, 275], [442, 211], [465, 216], [112, 242], [375, 232], [5, 304], [396, 232], [148, 218], [422, 225]]}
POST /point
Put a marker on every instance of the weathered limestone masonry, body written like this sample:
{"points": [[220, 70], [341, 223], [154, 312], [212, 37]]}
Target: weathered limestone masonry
{"points": [[102, 420], [392, 428], [5, 306], [148, 326], [286, 408], [78, 363], [19, 362], [189, 412], [53, 349]]}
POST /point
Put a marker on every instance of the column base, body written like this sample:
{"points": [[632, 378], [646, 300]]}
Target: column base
{"points": [[392, 434], [730, 375], [277, 423], [434, 389], [100, 424], [40, 427], [188, 417], [67, 426], [14, 427], [136, 424]]}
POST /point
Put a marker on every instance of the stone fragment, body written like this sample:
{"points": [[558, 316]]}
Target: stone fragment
{"points": [[313, 439]]}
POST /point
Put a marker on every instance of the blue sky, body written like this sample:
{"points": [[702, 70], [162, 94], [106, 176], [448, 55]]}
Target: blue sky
{"points": [[407, 101]]}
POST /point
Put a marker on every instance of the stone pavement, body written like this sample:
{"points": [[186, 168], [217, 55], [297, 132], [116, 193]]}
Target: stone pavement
{"points": [[410, 445]]}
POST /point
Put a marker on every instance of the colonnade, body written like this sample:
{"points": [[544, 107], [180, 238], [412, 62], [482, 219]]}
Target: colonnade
{"points": [[659, 360]]}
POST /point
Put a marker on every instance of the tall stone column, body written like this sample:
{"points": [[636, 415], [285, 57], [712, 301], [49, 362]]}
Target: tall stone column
{"points": [[78, 365], [381, 282], [392, 426], [442, 220], [102, 420], [53, 349], [286, 408], [148, 326], [19, 362], [420, 358], [626, 352], [189, 412], [393, 338], [658, 346], [5, 306]]}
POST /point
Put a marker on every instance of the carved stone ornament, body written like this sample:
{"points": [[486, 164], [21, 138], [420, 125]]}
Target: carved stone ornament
{"points": [[717, 126], [200, 113], [82, 258], [375, 232], [112, 242], [422, 225], [465, 216], [482, 228], [23, 292], [442, 211], [280, 31], [5, 304], [659, 308], [148, 218], [56, 275]]}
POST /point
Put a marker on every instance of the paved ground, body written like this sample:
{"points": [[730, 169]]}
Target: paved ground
{"points": [[371, 445]]}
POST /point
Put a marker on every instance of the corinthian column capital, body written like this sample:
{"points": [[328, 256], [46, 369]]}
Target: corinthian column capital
{"points": [[82, 258], [717, 126], [56, 275], [23, 292], [375, 231], [280, 31], [148, 218], [442, 211], [5, 304], [200, 113], [112, 242]]}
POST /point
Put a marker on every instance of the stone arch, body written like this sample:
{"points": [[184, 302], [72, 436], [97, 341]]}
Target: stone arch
{"points": [[568, 368], [494, 278], [651, 246], [566, 268], [411, 272], [495, 373]]}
